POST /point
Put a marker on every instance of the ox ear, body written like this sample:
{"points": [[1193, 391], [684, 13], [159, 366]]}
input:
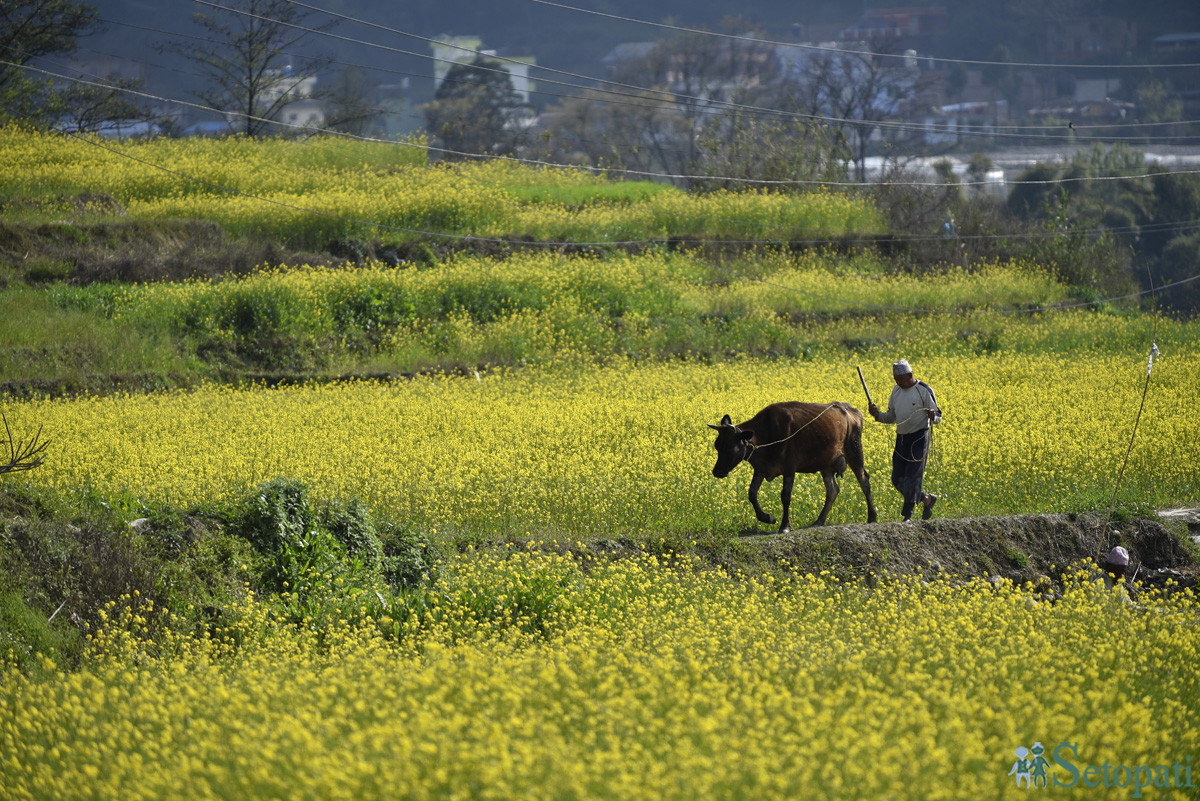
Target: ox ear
{"points": [[746, 435]]}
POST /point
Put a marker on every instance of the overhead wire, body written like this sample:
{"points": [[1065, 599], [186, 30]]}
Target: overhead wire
{"points": [[648, 174], [610, 243], [1176, 225], [613, 170], [636, 96], [667, 176], [603, 98], [709, 106], [704, 105], [822, 48], [1181, 225]]}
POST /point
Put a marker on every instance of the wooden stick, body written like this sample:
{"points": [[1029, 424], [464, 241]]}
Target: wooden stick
{"points": [[864, 386]]}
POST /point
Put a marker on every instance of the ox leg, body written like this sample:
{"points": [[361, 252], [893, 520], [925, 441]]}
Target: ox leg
{"points": [[762, 516], [789, 479], [831, 492], [858, 463], [864, 481]]}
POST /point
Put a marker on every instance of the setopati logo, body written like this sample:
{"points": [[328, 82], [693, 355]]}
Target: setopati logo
{"points": [[1036, 769]]}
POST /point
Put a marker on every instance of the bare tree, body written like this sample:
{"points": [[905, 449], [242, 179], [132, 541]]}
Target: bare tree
{"points": [[702, 77], [33, 29], [96, 105], [856, 91], [348, 103], [23, 455], [251, 60], [664, 102], [740, 149]]}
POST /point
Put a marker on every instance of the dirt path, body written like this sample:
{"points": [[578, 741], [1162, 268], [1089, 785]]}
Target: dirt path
{"points": [[1018, 547]]}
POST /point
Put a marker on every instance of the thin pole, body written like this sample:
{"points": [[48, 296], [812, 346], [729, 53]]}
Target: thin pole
{"points": [[1145, 389]]}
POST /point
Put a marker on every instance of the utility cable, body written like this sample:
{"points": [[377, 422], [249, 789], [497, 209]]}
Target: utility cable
{"points": [[703, 105], [636, 96], [465, 237], [646, 174], [820, 48], [1177, 226]]}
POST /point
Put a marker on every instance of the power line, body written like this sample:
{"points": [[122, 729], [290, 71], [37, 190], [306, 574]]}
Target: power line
{"points": [[709, 106], [705, 105], [1057, 181], [880, 307], [406, 73], [820, 48], [560, 244], [636, 173], [673, 95], [644, 174]]}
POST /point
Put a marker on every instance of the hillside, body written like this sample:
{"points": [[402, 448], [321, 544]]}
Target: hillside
{"points": [[434, 361], [574, 41]]}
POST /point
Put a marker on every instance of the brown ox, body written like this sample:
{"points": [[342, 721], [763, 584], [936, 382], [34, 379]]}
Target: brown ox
{"points": [[789, 438]]}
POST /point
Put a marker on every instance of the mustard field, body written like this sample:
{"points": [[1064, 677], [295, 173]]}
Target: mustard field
{"points": [[645, 682], [320, 189], [542, 413], [624, 450]]}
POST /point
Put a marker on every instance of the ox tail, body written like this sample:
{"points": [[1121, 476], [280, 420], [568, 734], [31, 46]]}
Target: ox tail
{"points": [[853, 446]]}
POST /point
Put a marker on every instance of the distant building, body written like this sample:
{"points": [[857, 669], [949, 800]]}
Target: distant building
{"points": [[1087, 39], [302, 111], [1176, 43], [973, 121], [451, 50], [915, 27], [306, 113]]}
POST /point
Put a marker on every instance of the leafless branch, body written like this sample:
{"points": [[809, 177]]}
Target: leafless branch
{"points": [[23, 455]]}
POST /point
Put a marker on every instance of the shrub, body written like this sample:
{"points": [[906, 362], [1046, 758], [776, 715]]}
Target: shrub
{"points": [[408, 556], [351, 524], [279, 513], [311, 554], [26, 633]]}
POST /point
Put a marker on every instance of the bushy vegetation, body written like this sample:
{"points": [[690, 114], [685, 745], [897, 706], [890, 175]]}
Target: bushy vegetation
{"points": [[78, 552]]}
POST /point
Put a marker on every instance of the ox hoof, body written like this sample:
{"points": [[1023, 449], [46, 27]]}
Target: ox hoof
{"points": [[767, 519], [784, 529]]}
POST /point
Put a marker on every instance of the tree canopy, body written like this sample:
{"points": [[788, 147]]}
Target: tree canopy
{"points": [[476, 111]]}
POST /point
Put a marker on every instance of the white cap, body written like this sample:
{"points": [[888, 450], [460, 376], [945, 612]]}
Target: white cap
{"points": [[1118, 556], [901, 368]]}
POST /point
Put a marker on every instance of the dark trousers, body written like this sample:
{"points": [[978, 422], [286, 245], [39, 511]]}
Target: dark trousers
{"points": [[908, 468]]}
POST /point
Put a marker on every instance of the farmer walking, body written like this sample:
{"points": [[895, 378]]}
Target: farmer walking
{"points": [[913, 409]]}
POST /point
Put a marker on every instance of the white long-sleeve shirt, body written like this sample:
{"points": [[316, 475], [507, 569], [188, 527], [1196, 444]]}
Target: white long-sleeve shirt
{"points": [[908, 408]]}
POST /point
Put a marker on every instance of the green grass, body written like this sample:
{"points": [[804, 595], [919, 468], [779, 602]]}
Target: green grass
{"points": [[60, 336], [472, 312]]}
